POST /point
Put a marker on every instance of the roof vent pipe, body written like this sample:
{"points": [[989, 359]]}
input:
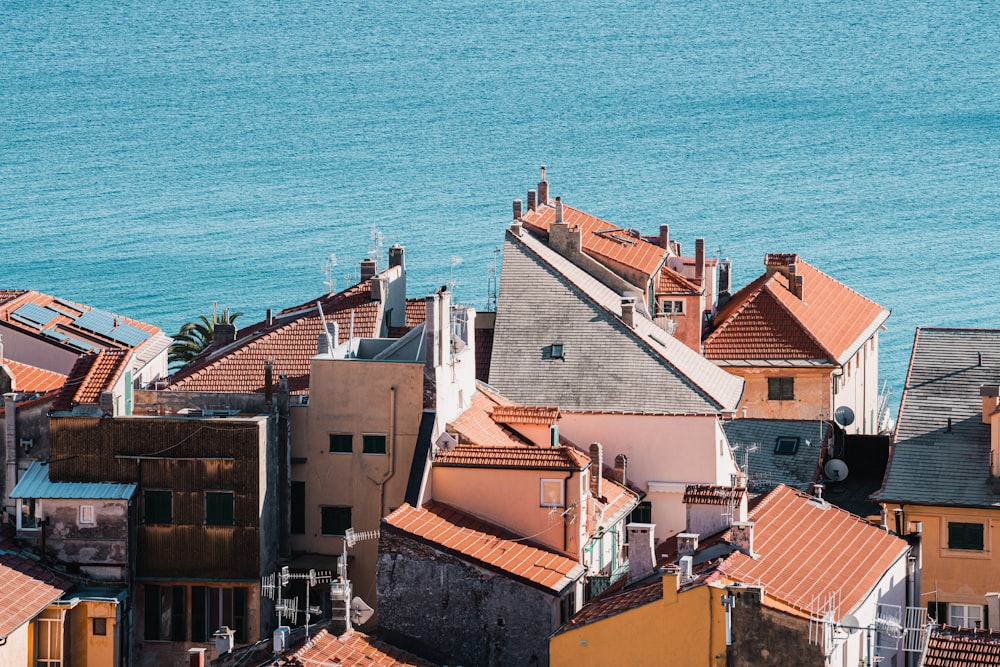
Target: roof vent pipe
{"points": [[543, 189], [517, 209]]}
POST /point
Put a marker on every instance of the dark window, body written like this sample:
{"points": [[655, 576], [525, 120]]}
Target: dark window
{"points": [[643, 513], [938, 611], [298, 508], [165, 619], [341, 443], [786, 445], [219, 508], [212, 608], [780, 389], [157, 506], [554, 351], [373, 444], [968, 536], [335, 520], [567, 607], [100, 626]]}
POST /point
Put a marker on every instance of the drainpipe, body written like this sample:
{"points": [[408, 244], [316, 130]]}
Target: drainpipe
{"points": [[565, 511], [390, 447]]}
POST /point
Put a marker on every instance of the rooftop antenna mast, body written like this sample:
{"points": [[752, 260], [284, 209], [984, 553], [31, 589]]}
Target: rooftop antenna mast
{"points": [[272, 585], [378, 240], [328, 265], [491, 283], [455, 261]]}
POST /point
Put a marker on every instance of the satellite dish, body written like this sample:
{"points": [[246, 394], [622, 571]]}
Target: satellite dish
{"points": [[844, 416], [849, 623], [835, 469], [360, 611]]}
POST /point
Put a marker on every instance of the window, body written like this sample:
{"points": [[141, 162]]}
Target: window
{"points": [[373, 443], [967, 536], [671, 307], [938, 611], [335, 520], [87, 514], [567, 607], [341, 443], [99, 627], [157, 506], [298, 526], [786, 445], [553, 351], [219, 508], [165, 618], [780, 389], [211, 608], [643, 513], [552, 493], [49, 640], [28, 516], [965, 615]]}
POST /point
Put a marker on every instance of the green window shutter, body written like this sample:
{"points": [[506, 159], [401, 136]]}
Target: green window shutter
{"points": [[966, 536]]}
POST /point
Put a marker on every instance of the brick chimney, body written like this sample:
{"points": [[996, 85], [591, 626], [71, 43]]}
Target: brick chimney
{"points": [[781, 262], [664, 238], [225, 333], [369, 267], [725, 282], [559, 211], [518, 211], [641, 560], [543, 189], [621, 465], [699, 261], [596, 468], [532, 202]]}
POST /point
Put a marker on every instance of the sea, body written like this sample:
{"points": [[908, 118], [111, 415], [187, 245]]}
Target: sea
{"points": [[159, 159]]}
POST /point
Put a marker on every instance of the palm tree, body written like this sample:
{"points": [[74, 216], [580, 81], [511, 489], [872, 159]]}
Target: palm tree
{"points": [[194, 337]]}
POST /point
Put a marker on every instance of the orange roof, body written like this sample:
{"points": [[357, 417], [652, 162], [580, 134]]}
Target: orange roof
{"points": [[477, 426], [524, 414], [493, 547], [352, 649], [672, 282], [601, 238], [289, 343], [766, 320], [949, 646], [808, 550], [27, 590], [31, 379], [92, 374], [513, 456]]}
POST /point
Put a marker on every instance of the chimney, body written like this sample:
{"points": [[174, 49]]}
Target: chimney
{"points": [[799, 287], [340, 607], [397, 256], [640, 550], [699, 261], [196, 657], [326, 341], [268, 381], [664, 240], [990, 394], [559, 211], [686, 569], [621, 463], [742, 537], [628, 311], [993, 606], [725, 281], [543, 189], [10, 445], [269, 317], [369, 267], [437, 329], [687, 544], [224, 334], [532, 205], [517, 209], [783, 262], [596, 468]]}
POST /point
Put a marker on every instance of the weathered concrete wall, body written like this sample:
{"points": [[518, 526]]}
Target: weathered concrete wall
{"points": [[766, 638], [452, 612], [102, 542]]}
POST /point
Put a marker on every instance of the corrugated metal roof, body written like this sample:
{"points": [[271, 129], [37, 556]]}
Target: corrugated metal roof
{"points": [[36, 484]]}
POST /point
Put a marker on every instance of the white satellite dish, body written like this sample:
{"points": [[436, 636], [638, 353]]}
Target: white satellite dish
{"points": [[844, 415], [849, 623], [360, 611], [835, 469]]}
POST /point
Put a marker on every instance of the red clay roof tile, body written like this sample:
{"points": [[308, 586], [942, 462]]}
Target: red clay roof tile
{"points": [[33, 380], [91, 375], [709, 494], [513, 456], [27, 589], [949, 646], [352, 649], [525, 414]]}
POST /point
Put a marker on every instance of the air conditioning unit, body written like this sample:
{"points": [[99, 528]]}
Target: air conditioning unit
{"points": [[280, 638]]}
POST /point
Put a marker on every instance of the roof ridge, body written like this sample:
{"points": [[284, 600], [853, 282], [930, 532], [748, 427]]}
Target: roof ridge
{"points": [[779, 297]]}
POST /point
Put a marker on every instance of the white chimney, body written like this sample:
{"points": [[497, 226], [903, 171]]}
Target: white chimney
{"points": [[687, 569], [628, 311], [687, 544], [742, 537], [641, 559]]}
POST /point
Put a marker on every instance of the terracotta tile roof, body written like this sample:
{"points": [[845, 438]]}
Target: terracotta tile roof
{"points": [[765, 320], [616, 601], [72, 325], [289, 343], [672, 282], [709, 494], [601, 238], [808, 550], [526, 414], [416, 312], [475, 425], [27, 590], [959, 647], [528, 457], [352, 649], [491, 546], [34, 380], [92, 374]]}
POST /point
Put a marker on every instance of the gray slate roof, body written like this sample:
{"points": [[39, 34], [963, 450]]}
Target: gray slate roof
{"points": [[766, 469], [928, 464], [607, 366]]}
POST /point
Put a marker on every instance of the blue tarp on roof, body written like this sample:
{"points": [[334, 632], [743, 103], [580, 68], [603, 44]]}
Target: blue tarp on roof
{"points": [[35, 484]]}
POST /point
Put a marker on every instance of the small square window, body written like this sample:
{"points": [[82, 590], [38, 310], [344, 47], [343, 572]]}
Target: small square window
{"points": [[87, 514], [373, 443], [28, 514], [335, 520], [553, 351], [100, 626], [781, 389], [552, 493], [671, 307], [786, 445], [219, 508], [157, 506], [341, 443]]}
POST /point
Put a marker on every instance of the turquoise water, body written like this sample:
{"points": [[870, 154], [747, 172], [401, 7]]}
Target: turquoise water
{"points": [[156, 157]]}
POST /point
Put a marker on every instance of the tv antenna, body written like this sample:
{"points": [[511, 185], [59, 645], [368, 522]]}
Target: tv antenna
{"points": [[455, 261], [378, 240], [328, 265], [892, 628], [272, 587], [491, 283]]}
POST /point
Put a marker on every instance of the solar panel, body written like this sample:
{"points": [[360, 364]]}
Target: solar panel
{"points": [[80, 345], [98, 321], [31, 313], [129, 335], [54, 334]]}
